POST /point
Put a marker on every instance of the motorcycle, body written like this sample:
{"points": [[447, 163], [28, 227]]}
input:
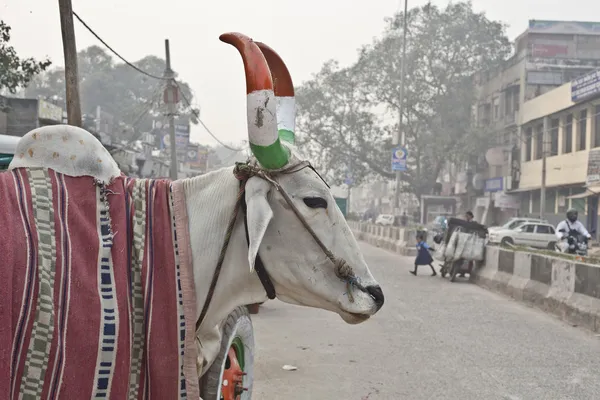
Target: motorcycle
{"points": [[577, 244]]}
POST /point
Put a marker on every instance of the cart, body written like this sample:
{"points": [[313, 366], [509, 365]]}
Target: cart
{"points": [[462, 244]]}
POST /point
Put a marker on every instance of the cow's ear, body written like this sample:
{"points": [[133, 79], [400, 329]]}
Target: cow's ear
{"points": [[259, 215]]}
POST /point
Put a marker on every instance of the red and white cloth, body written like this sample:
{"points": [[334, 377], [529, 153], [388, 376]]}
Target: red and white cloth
{"points": [[96, 289]]}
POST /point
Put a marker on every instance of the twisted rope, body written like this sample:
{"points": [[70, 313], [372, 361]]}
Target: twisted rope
{"points": [[243, 172], [342, 269]]}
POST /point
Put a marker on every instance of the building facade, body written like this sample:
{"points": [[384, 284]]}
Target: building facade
{"points": [[564, 126], [18, 116], [548, 55]]}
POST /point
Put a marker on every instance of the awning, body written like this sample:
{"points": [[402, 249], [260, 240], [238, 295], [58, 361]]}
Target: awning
{"points": [[589, 191], [554, 186]]}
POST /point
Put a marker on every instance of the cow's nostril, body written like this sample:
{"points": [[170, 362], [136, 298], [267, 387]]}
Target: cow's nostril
{"points": [[377, 295]]}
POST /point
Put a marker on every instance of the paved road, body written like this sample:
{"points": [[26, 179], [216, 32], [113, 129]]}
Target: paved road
{"points": [[433, 340]]}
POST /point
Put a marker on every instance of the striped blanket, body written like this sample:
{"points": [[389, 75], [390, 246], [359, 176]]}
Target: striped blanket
{"points": [[96, 291]]}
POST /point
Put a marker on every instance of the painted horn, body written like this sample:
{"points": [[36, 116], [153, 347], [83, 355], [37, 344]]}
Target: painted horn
{"points": [[262, 110], [284, 94]]}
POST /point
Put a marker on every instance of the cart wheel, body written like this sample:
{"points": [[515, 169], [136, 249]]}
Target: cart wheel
{"points": [[230, 377]]}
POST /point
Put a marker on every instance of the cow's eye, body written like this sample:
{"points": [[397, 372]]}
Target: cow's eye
{"points": [[315, 202]]}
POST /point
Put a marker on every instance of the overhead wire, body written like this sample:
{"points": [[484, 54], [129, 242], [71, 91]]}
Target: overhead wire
{"points": [[141, 71], [197, 115], [194, 111]]}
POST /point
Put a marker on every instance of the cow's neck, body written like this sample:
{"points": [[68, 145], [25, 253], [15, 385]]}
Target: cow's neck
{"points": [[211, 200]]}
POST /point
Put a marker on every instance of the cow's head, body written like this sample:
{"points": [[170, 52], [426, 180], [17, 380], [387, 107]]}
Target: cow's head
{"points": [[301, 271]]}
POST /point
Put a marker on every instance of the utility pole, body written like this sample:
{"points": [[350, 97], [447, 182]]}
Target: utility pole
{"points": [[349, 182], [544, 153], [71, 71], [400, 136], [171, 95]]}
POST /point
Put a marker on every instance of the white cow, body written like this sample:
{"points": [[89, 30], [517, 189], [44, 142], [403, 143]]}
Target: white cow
{"points": [[298, 267]]}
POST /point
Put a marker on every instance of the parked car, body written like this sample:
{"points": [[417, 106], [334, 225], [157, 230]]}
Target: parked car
{"points": [[534, 234], [385, 219], [516, 222]]}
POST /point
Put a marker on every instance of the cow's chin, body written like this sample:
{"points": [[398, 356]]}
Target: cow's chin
{"points": [[348, 317], [353, 319]]}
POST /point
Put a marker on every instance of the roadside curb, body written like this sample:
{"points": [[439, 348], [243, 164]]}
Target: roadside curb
{"points": [[397, 240], [565, 288]]}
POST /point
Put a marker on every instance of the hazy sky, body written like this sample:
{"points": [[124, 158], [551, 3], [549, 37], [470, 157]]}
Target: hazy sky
{"points": [[305, 33]]}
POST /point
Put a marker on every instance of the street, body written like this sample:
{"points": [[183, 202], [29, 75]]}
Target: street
{"points": [[432, 340]]}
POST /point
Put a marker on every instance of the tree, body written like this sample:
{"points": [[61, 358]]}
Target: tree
{"points": [[337, 126], [16, 72], [130, 96], [444, 48]]}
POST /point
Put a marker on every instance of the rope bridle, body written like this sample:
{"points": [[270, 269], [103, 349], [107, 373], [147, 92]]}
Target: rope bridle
{"points": [[243, 172]]}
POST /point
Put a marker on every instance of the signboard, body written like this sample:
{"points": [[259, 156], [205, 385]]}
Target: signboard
{"points": [[182, 135], [493, 185], [565, 27], [342, 204], [197, 156], [399, 155], [552, 78], [586, 86], [482, 201], [507, 201], [349, 180], [49, 111], [549, 50], [192, 153], [593, 170]]}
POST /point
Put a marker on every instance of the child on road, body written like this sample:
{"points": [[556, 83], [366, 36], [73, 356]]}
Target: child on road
{"points": [[423, 255]]}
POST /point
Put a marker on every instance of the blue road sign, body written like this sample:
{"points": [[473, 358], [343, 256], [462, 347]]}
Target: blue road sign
{"points": [[399, 155], [349, 180]]}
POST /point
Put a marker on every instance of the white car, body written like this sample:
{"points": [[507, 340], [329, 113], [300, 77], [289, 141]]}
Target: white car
{"points": [[534, 234], [385, 219], [515, 222]]}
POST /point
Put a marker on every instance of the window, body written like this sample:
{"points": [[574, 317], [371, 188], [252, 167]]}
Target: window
{"points": [[550, 200], [535, 202], [528, 228], [578, 204], [597, 126], [563, 202], [568, 134], [487, 114], [545, 229], [582, 129], [554, 137], [525, 203], [528, 143], [515, 223], [508, 107], [496, 102], [539, 141]]}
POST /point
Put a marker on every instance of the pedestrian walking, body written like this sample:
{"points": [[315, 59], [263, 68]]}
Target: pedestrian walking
{"points": [[423, 255], [469, 217]]}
